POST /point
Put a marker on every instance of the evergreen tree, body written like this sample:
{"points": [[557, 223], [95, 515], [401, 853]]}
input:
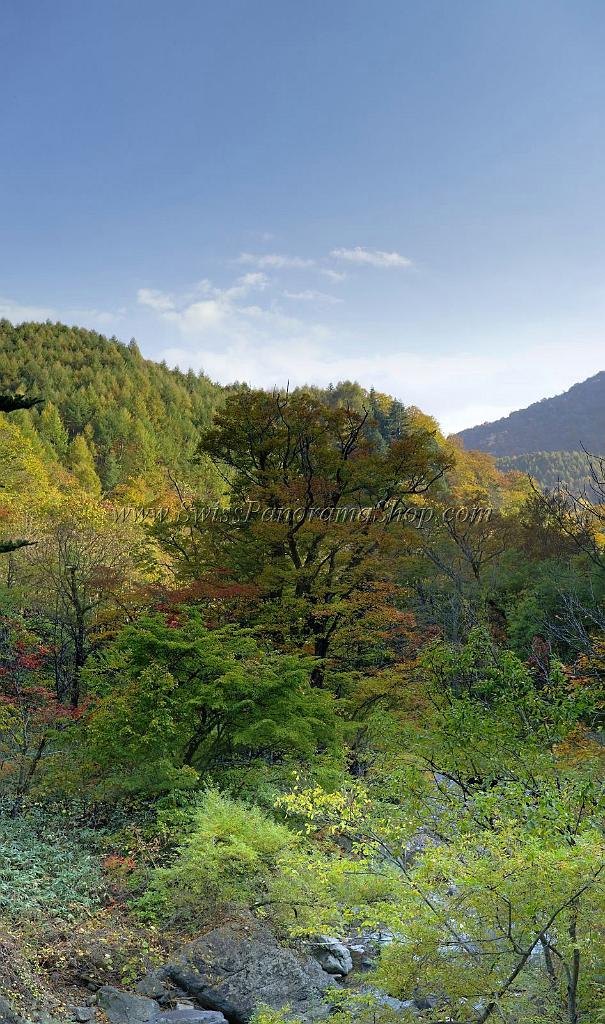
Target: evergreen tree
{"points": [[53, 432], [11, 403], [110, 472], [81, 464]]}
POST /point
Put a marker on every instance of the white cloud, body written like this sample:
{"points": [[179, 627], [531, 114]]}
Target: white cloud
{"points": [[255, 281], [220, 314], [371, 257], [460, 388], [154, 299], [274, 260], [192, 314], [240, 332], [309, 295], [199, 317], [334, 275], [19, 313]]}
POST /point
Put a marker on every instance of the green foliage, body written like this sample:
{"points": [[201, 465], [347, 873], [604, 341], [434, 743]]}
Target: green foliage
{"points": [[321, 567], [497, 773], [52, 431], [266, 1015], [81, 464], [371, 1006], [47, 867], [91, 381], [231, 853], [179, 700], [25, 482], [552, 469], [449, 781]]}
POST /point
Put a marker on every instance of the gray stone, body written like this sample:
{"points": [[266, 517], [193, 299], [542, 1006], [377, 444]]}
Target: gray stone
{"points": [[332, 956], [425, 1002], [156, 985], [189, 1015], [389, 1002], [124, 1008], [7, 1014], [240, 965], [153, 985], [362, 956], [84, 1013]]}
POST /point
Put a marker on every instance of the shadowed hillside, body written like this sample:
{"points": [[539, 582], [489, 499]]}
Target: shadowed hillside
{"points": [[565, 423]]}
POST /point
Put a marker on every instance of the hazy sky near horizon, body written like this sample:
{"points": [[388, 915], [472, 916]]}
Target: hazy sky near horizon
{"points": [[408, 193]]}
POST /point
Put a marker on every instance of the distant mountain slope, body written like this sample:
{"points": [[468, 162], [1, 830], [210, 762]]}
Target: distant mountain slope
{"points": [[561, 424], [550, 470]]}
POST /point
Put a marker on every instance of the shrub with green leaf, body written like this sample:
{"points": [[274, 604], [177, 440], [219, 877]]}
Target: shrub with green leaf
{"points": [[231, 854], [47, 868], [180, 701]]}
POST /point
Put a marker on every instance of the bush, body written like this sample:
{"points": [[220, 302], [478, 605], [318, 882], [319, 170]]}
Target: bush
{"points": [[266, 1015], [232, 854], [47, 868]]}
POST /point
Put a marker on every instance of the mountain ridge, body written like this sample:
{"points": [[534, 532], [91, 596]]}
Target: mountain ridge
{"points": [[567, 422]]}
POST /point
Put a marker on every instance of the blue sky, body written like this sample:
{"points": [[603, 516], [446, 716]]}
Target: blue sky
{"points": [[409, 193]]}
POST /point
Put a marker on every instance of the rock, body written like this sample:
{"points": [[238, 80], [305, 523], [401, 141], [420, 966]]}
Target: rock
{"points": [[362, 956], [238, 966], [123, 1008], [398, 1005], [424, 1002], [190, 1015], [83, 1014], [389, 1002], [332, 956], [7, 1014], [154, 986]]}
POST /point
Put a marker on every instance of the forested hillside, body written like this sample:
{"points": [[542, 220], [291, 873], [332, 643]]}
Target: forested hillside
{"points": [[125, 425], [553, 470], [104, 405], [549, 440], [566, 423], [325, 736]]}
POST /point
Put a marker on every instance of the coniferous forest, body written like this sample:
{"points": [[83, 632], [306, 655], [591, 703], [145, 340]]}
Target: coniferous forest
{"points": [[301, 706]]}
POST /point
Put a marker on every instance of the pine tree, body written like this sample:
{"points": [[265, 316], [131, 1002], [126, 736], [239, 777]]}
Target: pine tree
{"points": [[11, 403], [53, 432], [81, 464], [110, 472]]}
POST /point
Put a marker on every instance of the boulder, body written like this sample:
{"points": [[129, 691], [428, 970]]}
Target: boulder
{"points": [[7, 1014], [240, 965], [400, 1006], [332, 956], [123, 1008], [362, 956], [156, 985], [190, 1015]]}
